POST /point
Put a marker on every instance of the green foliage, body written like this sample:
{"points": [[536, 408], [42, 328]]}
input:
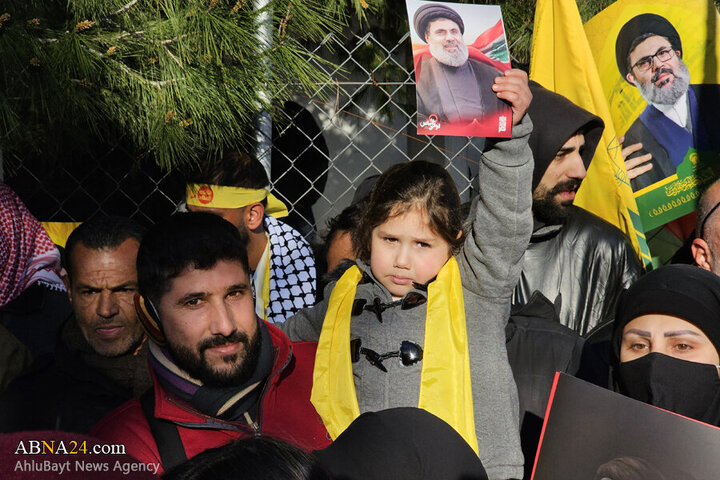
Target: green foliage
{"points": [[178, 78]]}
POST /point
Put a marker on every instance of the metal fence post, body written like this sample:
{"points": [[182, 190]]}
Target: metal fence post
{"points": [[263, 125]]}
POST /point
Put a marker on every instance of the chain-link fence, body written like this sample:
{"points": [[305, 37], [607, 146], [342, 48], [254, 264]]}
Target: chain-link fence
{"points": [[107, 180], [355, 128], [351, 129]]}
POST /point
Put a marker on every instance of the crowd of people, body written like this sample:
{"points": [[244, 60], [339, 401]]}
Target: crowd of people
{"points": [[420, 340]]}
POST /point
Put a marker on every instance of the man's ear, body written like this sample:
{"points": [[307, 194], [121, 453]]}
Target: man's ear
{"points": [[66, 280], [254, 214], [631, 78], [150, 319], [702, 254]]}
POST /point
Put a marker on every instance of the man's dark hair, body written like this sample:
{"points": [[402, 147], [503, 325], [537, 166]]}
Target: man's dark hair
{"points": [[628, 468], [232, 169], [257, 457], [99, 233], [345, 221], [185, 241]]}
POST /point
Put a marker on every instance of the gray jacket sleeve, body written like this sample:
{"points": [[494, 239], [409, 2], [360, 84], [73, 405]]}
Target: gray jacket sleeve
{"points": [[306, 324], [490, 263]]}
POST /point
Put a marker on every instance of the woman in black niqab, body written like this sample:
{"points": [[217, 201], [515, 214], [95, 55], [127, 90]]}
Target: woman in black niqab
{"points": [[661, 369]]}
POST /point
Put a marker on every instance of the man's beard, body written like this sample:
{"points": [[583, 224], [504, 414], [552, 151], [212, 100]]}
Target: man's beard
{"points": [[244, 234], [549, 210], [441, 55], [666, 96], [193, 361]]}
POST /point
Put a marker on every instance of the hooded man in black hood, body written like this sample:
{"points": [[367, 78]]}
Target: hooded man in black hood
{"points": [[577, 260]]}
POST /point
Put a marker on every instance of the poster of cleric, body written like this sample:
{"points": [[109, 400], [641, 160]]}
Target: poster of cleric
{"points": [[658, 63], [458, 50], [622, 438]]}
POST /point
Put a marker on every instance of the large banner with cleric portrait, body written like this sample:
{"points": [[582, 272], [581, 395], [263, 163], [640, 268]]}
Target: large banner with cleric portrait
{"points": [[658, 63]]}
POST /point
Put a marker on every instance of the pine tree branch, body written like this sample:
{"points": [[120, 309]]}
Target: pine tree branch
{"points": [[155, 83], [125, 8], [131, 34], [139, 34], [121, 76], [175, 59], [174, 39]]}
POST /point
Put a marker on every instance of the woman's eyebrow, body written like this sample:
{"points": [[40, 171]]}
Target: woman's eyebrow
{"points": [[677, 333], [642, 333]]}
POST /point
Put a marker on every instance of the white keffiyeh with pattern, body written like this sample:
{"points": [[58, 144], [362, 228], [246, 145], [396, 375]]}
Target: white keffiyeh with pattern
{"points": [[292, 272]]}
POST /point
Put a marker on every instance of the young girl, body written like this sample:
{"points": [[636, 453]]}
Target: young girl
{"points": [[423, 291]]}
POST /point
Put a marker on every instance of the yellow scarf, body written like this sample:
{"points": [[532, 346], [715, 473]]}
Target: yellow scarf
{"points": [[262, 292], [216, 196], [445, 385]]}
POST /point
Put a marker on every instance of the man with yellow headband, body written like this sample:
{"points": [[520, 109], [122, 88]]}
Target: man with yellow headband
{"points": [[283, 268]]}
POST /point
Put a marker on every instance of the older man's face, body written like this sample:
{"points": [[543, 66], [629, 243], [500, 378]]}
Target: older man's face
{"points": [[446, 42], [664, 82], [101, 290]]}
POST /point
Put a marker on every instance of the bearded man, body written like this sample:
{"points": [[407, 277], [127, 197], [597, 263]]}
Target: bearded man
{"points": [[451, 86], [679, 116], [578, 261], [219, 371]]}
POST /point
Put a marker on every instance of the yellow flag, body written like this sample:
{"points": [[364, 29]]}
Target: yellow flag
{"points": [[561, 61], [59, 231]]}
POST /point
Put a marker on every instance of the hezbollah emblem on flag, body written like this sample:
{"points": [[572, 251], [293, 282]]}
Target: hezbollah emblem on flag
{"points": [[204, 195]]}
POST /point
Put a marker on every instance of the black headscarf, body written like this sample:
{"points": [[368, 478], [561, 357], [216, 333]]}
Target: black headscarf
{"points": [[637, 27], [432, 11], [556, 119], [400, 443], [689, 388], [684, 291]]}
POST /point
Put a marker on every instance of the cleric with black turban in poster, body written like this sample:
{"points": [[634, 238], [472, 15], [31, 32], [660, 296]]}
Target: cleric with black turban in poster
{"points": [[679, 115], [455, 88]]}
